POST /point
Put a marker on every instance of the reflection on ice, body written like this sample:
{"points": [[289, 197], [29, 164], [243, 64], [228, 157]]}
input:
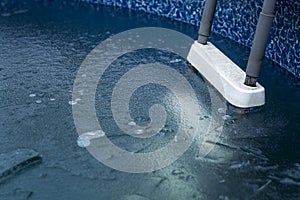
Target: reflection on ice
{"points": [[20, 11]]}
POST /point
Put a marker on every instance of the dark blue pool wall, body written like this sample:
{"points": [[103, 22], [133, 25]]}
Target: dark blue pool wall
{"points": [[235, 19]]}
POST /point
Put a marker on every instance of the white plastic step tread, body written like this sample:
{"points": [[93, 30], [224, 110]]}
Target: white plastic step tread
{"points": [[227, 77]]}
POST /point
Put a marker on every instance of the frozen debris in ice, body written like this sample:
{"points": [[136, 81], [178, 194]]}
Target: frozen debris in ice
{"points": [[84, 140], [175, 61], [264, 186], [254, 152], [161, 180], [17, 160], [222, 144]]}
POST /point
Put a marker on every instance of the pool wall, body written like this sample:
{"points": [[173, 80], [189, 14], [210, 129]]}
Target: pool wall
{"points": [[235, 19]]}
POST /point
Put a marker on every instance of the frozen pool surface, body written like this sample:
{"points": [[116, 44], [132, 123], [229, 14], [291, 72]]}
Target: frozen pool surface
{"points": [[41, 49]]}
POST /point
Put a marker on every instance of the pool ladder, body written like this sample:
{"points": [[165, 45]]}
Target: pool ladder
{"points": [[238, 88]]}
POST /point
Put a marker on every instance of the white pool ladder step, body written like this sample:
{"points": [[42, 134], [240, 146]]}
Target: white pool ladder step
{"points": [[227, 77]]}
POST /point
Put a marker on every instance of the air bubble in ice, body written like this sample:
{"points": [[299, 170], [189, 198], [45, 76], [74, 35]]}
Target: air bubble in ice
{"points": [[32, 95], [175, 138], [81, 92], [226, 117], [175, 61], [72, 102], [139, 132], [132, 123], [162, 134]]}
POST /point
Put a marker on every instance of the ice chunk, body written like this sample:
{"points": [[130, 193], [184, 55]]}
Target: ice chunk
{"points": [[84, 140]]}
